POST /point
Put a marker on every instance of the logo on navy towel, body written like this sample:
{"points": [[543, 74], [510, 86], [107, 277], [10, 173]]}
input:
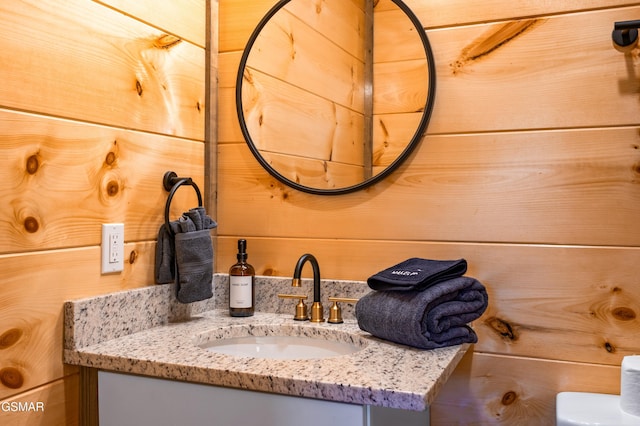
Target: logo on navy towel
{"points": [[405, 273]]}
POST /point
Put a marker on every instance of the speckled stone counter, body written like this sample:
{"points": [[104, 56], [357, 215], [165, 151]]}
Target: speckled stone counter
{"points": [[144, 331]]}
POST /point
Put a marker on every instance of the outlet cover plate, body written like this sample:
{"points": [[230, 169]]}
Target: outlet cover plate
{"points": [[112, 247]]}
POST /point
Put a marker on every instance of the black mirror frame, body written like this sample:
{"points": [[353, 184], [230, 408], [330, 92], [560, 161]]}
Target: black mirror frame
{"points": [[415, 140]]}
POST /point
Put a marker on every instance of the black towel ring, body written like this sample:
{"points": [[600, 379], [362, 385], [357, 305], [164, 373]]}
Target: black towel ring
{"points": [[171, 183]]}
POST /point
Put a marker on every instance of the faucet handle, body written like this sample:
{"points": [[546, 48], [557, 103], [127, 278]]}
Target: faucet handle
{"points": [[301, 308], [335, 311]]}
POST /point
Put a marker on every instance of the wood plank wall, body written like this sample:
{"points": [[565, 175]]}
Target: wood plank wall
{"points": [[98, 99], [530, 170]]}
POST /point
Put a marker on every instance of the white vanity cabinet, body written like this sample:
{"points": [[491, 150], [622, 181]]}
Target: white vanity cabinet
{"points": [[125, 399]]}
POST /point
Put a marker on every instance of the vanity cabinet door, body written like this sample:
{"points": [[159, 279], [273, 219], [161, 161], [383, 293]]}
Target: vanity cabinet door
{"points": [[143, 401], [125, 399]]}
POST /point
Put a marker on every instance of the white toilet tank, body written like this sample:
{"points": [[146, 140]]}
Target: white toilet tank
{"points": [[585, 409]]}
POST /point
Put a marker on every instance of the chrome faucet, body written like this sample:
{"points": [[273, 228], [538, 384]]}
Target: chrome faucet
{"points": [[316, 308]]}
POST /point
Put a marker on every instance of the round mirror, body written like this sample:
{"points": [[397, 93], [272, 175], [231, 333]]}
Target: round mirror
{"points": [[332, 96]]}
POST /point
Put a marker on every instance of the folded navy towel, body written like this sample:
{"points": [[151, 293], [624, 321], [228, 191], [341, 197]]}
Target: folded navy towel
{"points": [[432, 318], [184, 254], [417, 274]]}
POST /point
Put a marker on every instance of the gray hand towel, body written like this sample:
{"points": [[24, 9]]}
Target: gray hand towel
{"points": [[165, 262], [185, 255], [417, 274], [433, 318], [194, 257]]}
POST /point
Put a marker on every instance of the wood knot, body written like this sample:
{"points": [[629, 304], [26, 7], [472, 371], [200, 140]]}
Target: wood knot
{"points": [[167, 41], [503, 328], [246, 75], [609, 347], [112, 188], [495, 38], [139, 87], [456, 67], [10, 338], [11, 378], [31, 225], [623, 314], [509, 398], [33, 164], [268, 272], [133, 256], [384, 129], [110, 158]]}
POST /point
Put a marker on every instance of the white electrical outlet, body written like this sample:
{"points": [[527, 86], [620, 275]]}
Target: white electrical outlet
{"points": [[112, 247]]}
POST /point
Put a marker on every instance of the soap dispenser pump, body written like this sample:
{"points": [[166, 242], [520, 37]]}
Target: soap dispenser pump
{"points": [[241, 285]]}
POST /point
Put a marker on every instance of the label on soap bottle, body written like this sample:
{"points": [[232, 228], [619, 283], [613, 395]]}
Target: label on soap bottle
{"points": [[240, 289]]}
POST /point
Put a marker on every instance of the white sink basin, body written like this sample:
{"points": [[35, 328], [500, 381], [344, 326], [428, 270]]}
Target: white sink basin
{"points": [[281, 342], [281, 347]]}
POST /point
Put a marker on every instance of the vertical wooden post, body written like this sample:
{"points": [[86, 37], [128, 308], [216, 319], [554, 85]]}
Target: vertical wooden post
{"points": [[368, 90], [89, 396], [211, 115]]}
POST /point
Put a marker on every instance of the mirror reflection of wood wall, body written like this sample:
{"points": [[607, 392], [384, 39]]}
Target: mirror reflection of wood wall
{"points": [[306, 92]]}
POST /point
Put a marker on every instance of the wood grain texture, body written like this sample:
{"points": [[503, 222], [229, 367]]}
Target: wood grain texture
{"points": [[341, 22], [500, 390], [289, 50], [98, 104], [395, 36], [445, 13], [278, 117], [175, 17], [238, 19], [59, 400], [556, 72], [400, 87], [228, 122], [32, 291], [530, 187], [315, 173], [391, 132], [84, 61], [63, 179]]}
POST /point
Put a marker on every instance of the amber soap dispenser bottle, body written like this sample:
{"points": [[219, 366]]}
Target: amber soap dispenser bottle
{"points": [[241, 285]]}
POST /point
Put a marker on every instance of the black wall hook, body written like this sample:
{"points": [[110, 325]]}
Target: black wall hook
{"points": [[625, 35], [171, 182]]}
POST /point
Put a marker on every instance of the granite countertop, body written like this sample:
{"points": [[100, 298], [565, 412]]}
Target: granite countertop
{"points": [[144, 331]]}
